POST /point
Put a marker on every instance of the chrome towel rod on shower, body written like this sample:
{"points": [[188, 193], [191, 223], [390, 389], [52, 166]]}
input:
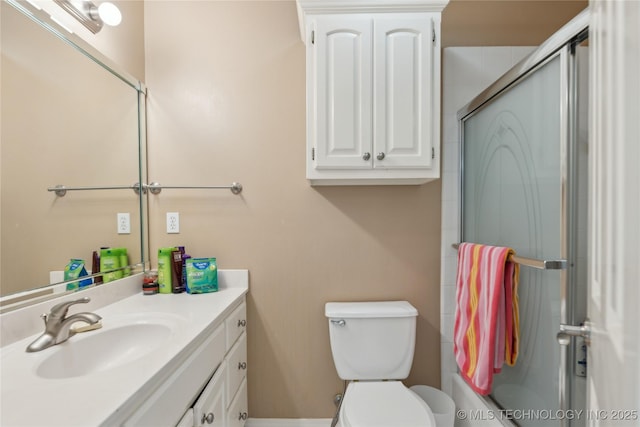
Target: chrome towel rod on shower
{"points": [[541, 264]]}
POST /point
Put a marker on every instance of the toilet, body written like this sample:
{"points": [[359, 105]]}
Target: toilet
{"points": [[372, 345]]}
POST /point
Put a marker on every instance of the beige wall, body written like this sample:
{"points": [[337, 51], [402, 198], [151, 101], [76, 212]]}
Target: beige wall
{"points": [[505, 22], [227, 102]]}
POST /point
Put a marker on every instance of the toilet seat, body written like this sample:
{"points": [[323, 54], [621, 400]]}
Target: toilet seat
{"points": [[384, 404]]}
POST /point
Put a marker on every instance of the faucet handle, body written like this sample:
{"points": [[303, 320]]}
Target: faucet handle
{"points": [[60, 310]]}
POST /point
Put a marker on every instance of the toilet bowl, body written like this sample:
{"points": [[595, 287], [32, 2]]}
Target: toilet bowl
{"points": [[383, 404], [372, 344]]}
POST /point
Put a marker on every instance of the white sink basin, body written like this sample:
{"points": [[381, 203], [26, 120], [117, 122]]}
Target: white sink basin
{"points": [[99, 350]]}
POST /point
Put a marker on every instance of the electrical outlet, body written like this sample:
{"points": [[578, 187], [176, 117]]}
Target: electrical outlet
{"points": [[124, 223], [173, 222]]}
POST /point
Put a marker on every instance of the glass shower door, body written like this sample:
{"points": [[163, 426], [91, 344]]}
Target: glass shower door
{"points": [[513, 182]]}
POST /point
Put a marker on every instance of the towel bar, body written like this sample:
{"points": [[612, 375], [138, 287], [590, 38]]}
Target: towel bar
{"points": [[540, 264], [154, 188], [61, 190]]}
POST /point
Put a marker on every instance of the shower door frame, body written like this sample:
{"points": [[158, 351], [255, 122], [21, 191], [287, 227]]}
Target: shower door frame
{"points": [[561, 44]]}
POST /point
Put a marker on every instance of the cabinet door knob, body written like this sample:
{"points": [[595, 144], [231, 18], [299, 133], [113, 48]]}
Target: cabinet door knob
{"points": [[242, 365], [243, 416], [208, 418], [242, 323], [366, 156], [380, 156]]}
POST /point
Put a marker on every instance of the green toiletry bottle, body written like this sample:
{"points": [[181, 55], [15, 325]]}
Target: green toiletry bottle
{"points": [[124, 261], [164, 270], [110, 260]]}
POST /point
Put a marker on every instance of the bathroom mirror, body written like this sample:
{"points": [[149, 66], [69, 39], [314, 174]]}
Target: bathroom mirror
{"points": [[69, 117]]}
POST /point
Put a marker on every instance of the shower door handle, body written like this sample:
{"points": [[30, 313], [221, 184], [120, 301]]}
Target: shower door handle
{"points": [[564, 339], [568, 331]]}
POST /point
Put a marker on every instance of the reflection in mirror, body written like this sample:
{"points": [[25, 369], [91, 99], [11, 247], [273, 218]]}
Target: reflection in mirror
{"points": [[67, 119]]}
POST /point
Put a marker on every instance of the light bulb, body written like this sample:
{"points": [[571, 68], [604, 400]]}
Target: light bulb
{"points": [[110, 14]]}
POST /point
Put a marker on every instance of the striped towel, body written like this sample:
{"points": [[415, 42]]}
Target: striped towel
{"points": [[487, 329]]}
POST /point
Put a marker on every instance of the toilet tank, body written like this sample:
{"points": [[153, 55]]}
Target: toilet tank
{"points": [[372, 340]]}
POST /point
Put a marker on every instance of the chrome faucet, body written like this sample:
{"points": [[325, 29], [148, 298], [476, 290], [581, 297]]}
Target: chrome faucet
{"points": [[56, 325]]}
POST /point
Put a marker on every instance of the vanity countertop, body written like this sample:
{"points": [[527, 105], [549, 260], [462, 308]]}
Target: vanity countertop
{"points": [[102, 397]]}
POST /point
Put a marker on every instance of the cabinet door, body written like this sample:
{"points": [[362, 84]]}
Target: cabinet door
{"points": [[236, 366], [187, 419], [236, 324], [209, 409], [403, 91], [342, 47], [167, 404], [238, 410]]}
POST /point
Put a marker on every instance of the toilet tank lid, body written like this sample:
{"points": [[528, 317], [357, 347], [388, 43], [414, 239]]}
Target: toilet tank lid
{"points": [[351, 310]]}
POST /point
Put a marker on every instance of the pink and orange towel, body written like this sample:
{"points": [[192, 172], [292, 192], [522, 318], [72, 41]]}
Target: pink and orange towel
{"points": [[487, 329]]}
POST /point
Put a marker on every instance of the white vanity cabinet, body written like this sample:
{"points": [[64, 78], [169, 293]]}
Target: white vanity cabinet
{"points": [[213, 378], [168, 401], [373, 91], [223, 401], [162, 360]]}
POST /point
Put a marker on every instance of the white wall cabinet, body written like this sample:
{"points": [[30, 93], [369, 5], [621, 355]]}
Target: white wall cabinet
{"points": [[373, 92]]}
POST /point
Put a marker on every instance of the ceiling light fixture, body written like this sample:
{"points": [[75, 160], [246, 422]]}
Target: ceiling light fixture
{"points": [[91, 16]]}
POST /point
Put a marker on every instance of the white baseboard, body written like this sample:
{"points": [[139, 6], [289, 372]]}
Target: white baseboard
{"points": [[288, 422]]}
